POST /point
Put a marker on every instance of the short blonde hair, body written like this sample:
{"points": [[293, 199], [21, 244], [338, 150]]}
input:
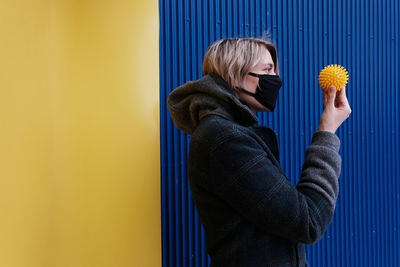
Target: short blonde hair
{"points": [[232, 59]]}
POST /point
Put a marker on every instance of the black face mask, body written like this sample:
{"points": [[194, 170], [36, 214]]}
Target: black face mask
{"points": [[267, 89]]}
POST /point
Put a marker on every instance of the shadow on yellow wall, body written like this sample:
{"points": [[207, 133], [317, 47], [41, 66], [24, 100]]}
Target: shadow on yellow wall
{"points": [[79, 134]]}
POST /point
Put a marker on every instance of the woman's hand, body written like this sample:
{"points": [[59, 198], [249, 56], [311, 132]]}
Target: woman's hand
{"points": [[337, 109]]}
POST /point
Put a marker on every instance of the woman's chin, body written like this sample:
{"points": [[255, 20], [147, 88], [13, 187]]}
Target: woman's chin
{"points": [[254, 104], [261, 108]]}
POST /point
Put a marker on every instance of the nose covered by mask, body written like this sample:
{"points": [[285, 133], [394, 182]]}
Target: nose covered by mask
{"points": [[267, 90]]}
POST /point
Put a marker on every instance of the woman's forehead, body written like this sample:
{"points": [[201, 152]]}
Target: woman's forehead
{"points": [[266, 59]]}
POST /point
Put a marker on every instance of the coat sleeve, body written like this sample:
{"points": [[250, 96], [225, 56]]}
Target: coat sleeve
{"points": [[244, 176]]}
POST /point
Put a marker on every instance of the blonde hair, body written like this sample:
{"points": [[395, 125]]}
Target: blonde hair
{"points": [[232, 59]]}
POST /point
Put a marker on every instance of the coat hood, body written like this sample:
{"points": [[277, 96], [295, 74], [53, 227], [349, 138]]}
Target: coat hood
{"points": [[191, 102]]}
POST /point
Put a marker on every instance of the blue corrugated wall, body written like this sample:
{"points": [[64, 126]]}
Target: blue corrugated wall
{"points": [[363, 36]]}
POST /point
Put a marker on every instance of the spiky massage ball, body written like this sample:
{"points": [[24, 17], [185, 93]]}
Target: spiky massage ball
{"points": [[334, 75]]}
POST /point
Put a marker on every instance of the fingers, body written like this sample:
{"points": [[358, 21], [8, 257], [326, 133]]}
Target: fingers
{"points": [[338, 99], [341, 99], [324, 97], [344, 97], [331, 96]]}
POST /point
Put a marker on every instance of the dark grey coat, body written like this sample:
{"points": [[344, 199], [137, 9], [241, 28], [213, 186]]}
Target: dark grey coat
{"points": [[252, 214]]}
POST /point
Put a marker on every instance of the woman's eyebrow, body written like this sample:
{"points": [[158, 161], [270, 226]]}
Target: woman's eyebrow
{"points": [[268, 65]]}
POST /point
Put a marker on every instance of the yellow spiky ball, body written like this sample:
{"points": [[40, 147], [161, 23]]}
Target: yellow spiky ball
{"points": [[334, 75]]}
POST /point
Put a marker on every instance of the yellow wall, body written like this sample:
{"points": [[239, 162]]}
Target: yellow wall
{"points": [[79, 133]]}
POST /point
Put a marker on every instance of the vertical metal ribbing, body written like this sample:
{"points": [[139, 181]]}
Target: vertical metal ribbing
{"points": [[396, 134], [361, 35]]}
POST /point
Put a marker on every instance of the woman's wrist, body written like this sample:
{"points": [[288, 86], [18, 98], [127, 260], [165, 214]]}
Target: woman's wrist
{"points": [[322, 127]]}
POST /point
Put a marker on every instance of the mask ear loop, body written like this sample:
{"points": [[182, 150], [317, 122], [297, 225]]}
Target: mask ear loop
{"points": [[254, 74], [258, 84], [240, 89]]}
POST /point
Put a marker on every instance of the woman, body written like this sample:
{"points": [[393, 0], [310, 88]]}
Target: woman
{"points": [[251, 213]]}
